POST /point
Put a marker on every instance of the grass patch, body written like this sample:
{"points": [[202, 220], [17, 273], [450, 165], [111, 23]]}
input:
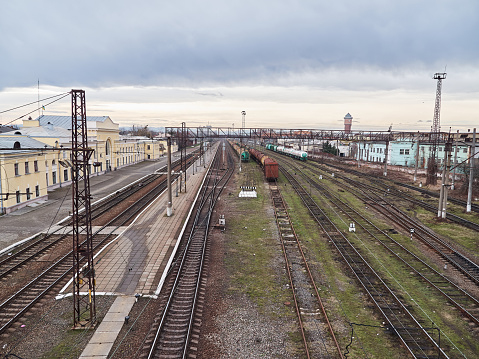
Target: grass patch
{"points": [[253, 250], [390, 268], [66, 348]]}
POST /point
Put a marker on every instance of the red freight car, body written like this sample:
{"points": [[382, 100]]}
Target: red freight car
{"points": [[270, 166]]}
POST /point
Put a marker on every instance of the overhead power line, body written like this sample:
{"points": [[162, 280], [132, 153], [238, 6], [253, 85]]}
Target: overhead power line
{"points": [[31, 103], [58, 99]]}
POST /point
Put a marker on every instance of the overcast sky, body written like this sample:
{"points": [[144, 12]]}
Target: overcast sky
{"points": [[290, 64]]}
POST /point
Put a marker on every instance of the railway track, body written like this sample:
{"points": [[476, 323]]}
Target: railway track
{"points": [[56, 274], [462, 300], [170, 337], [313, 320], [421, 232], [42, 244], [382, 186], [423, 191], [417, 339]]}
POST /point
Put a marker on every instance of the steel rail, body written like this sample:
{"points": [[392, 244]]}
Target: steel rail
{"points": [[441, 283], [466, 265], [403, 323], [460, 202], [30, 251], [24, 291], [184, 270], [283, 219], [431, 208]]}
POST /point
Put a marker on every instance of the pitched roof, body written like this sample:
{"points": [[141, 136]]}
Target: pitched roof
{"points": [[45, 131], [66, 121], [5, 129], [8, 141]]}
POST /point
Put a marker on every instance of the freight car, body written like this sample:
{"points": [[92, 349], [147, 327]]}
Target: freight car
{"points": [[269, 166], [242, 152], [300, 155], [245, 156]]}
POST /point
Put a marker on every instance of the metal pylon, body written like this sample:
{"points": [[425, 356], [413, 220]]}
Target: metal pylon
{"points": [[83, 271], [435, 131]]}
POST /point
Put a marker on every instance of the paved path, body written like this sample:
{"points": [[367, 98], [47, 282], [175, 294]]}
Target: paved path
{"points": [[136, 260], [31, 220], [28, 221]]}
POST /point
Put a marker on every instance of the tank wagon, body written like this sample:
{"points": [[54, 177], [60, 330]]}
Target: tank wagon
{"points": [[245, 156], [300, 155], [269, 166], [242, 152]]}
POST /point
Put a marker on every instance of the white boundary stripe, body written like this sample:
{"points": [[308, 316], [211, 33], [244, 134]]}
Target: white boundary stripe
{"points": [[167, 267], [116, 239], [61, 296], [12, 246]]}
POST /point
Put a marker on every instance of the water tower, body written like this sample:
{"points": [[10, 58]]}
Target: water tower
{"points": [[348, 121]]}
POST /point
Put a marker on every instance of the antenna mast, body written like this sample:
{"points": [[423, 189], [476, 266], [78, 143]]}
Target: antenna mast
{"points": [[435, 131]]}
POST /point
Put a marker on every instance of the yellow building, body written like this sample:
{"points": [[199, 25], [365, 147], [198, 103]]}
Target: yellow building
{"points": [[26, 173], [23, 173]]}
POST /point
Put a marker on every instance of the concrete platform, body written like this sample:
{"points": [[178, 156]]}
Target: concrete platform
{"points": [[106, 333], [136, 261], [31, 220]]}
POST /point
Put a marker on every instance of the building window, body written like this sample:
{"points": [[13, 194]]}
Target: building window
{"points": [[27, 171], [35, 166], [148, 147], [401, 151], [16, 169], [46, 177], [37, 191], [148, 156], [53, 162], [440, 149], [65, 175], [406, 152], [17, 194], [54, 177], [28, 194]]}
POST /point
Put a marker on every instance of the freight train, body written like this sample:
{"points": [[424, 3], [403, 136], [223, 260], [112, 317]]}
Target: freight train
{"points": [[300, 155], [269, 166], [243, 153]]}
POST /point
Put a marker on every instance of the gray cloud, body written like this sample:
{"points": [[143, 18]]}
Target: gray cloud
{"points": [[195, 44]]}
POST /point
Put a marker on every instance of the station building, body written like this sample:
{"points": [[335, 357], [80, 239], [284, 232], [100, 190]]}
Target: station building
{"points": [[26, 176], [403, 153]]}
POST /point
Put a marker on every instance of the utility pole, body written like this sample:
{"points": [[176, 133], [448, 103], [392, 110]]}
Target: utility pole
{"points": [[83, 279], [471, 171], [243, 122], [385, 172], [416, 160], [168, 176], [441, 213], [435, 131], [183, 152], [455, 163], [1, 192]]}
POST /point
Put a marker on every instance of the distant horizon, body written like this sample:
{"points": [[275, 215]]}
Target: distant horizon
{"points": [[293, 64]]}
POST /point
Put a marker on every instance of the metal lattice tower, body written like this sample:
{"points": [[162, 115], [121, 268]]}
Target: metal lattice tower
{"points": [[243, 120], [436, 123], [83, 279], [435, 130]]}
